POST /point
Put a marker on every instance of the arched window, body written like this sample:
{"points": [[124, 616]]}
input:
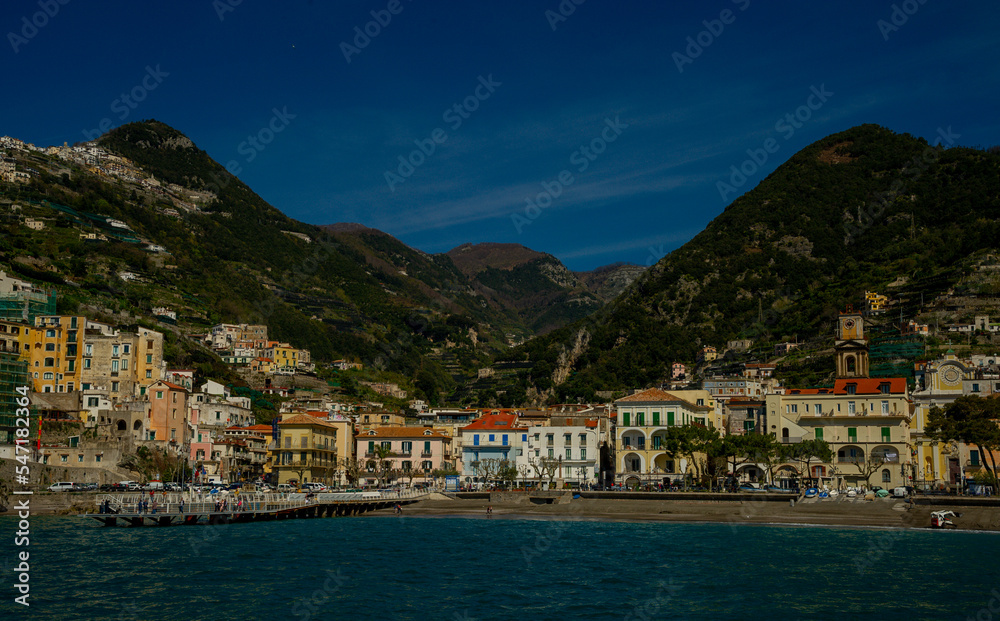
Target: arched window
{"points": [[122, 426], [851, 365], [886, 477]]}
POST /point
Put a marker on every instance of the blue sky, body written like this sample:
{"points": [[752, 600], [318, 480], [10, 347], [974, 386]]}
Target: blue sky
{"points": [[590, 111]]}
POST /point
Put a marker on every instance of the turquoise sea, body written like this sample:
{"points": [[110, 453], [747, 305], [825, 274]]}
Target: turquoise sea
{"points": [[462, 569]]}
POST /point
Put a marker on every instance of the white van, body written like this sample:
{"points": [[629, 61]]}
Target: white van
{"points": [[62, 486], [371, 495], [285, 487]]}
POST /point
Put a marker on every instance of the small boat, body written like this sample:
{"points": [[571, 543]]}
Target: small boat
{"points": [[824, 494], [812, 492], [851, 493]]}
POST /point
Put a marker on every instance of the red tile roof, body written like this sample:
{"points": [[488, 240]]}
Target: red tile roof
{"points": [[493, 422], [402, 432], [655, 395], [871, 385]]}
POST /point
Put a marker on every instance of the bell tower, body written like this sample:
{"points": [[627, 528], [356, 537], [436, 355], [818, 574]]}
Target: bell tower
{"points": [[851, 345]]}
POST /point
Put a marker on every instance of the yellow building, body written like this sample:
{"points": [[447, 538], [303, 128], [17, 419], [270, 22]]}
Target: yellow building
{"points": [[866, 422], [284, 356], [643, 420], [307, 450], [944, 380], [55, 355]]}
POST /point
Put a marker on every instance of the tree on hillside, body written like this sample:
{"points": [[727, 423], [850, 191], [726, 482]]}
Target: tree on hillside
{"points": [[972, 420]]}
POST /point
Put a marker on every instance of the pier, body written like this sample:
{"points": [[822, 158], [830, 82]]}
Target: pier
{"points": [[187, 509]]}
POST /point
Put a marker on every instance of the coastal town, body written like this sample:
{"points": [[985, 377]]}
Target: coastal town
{"points": [[102, 394]]}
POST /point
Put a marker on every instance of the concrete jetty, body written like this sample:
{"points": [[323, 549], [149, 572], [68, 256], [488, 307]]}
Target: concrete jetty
{"points": [[187, 509]]}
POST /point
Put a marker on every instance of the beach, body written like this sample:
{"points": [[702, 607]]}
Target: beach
{"points": [[844, 512]]}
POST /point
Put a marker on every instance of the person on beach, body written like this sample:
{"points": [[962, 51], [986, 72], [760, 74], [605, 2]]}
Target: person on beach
{"points": [[182, 505], [489, 511]]}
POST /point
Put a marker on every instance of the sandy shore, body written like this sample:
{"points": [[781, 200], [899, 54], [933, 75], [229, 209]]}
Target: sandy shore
{"points": [[882, 513]]}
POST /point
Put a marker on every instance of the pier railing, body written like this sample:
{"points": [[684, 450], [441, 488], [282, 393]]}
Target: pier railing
{"points": [[247, 502]]}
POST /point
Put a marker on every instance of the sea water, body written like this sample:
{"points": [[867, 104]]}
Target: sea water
{"points": [[460, 569]]}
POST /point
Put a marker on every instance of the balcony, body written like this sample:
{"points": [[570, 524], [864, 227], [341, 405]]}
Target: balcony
{"points": [[426, 454]]}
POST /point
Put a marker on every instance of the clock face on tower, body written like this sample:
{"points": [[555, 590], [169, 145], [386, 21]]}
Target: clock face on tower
{"points": [[848, 323]]}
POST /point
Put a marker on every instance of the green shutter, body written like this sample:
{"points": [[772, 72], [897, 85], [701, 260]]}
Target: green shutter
{"points": [[626, 419], [885, 434], [852, 434], [819, 433], [656, 418], [670, 419]]}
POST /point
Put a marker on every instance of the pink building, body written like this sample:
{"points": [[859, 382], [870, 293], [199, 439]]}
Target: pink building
{"points": [[413, 448], [168, 414]]}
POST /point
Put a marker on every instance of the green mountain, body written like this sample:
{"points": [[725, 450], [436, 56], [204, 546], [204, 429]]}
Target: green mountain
{"points": [[535, 287], [194, 238], [863, 210]]}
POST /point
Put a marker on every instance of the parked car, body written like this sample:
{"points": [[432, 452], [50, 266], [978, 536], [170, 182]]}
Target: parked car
{"points": [[87, 487], [62, 486]]}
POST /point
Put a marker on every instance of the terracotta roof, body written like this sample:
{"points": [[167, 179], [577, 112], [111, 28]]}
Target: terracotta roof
{"points": [[871, 385], [259, 428], [172, 386], [494, 422], [302, 419], [809, 391], [655, 395], [402, 432]]}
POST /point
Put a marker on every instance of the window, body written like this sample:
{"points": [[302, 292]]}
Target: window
{"points": [[493, 437], [886, 476], [303, 442], [475, 439], [125, 349], [885, 407], [583, 453], [64, 458], [114, 366], [125, 364], [114, 386], [551, 453], [640, 419], [79, 458], [288, 442], [149, 358], [748, 426], [50, 347], [569, 453], [852, 434], [427, 448], [50, 333], [48, 375], [852, 389], [973, 458], [173, 434], [819, 409], [50, 362], [97, 458], [656, 418], [407, 447], [504, 438], [114, 350], [885, 434], [159, 394], [88, 350], [795, 408], [92, 402], [850, 408], [149, 373], [884, 388], [549, 439], [626, 419], [819, 433], [670, 419], [975, 388]]}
